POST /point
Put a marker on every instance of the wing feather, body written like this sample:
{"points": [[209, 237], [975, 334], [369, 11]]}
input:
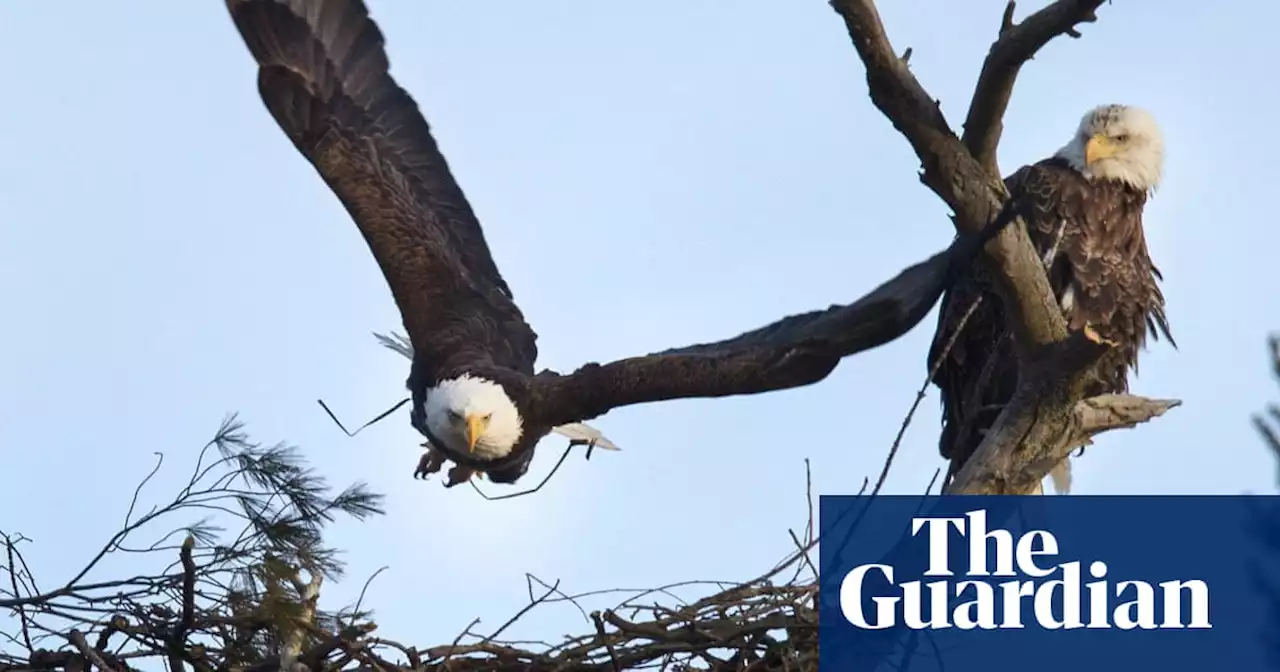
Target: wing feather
{"points": [[1104, 263], [323, 75], [792, 352]]}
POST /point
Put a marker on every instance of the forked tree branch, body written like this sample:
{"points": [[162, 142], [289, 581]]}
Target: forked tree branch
{"points": [[1042, 415], [1016, 44], [973, 191]]}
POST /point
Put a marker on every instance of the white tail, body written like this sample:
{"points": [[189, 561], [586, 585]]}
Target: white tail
{"points": [[1061, 477]]}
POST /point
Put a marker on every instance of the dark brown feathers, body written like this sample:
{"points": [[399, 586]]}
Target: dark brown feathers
{"points": [[1101, 274], [791, 352], [323, 75]]}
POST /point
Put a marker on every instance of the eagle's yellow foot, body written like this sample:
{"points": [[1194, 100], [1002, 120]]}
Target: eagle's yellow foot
{"points": [[1092, 334], [430, 462]]}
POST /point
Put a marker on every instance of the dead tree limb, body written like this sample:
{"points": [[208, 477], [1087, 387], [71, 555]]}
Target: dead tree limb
{"points": [[1016, 44], [1041, 416], [999, 471]]}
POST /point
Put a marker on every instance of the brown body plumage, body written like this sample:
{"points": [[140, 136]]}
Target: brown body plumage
{"points": [[1091, 233]]}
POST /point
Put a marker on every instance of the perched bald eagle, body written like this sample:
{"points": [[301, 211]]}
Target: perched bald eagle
{"points": [[323, 75], [1084, 215]]}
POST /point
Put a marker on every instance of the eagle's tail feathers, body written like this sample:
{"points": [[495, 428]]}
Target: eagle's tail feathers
{"points": [[1060, 475], [581, 431]]}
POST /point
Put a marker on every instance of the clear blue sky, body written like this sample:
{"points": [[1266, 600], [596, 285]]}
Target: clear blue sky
{"points": [[648, 175]]}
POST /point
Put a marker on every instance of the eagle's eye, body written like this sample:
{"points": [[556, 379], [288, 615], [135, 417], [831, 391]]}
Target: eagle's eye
{"points": [[488, 417], [454, 415], [1123, 137]]}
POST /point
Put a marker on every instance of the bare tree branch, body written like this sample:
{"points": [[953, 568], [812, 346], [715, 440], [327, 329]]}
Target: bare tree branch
{"points": [[1017, 43], [82, 645], [11, 551], [975, 193], [985, 474]]}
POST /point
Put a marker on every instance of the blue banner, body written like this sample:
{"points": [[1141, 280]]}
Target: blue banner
{"points": [[1045, 583]]}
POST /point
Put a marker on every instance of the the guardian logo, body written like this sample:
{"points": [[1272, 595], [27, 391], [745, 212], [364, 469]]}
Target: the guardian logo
{"points": [[1053, 603]]}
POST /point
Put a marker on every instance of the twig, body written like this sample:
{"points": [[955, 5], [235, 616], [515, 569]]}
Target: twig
{"points": [[803, 551], [133, 502], [521, 613], [604, 639], [934, 479], [13, 581], [361, 428], [529, 581], [456, 640], [82, 645], [810, 521], [522, 493], [920, 394], [355, 611]]}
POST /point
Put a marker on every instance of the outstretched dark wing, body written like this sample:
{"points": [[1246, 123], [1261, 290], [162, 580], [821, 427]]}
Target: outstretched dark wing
{"points": [[792, 352], [978, 373], [323, 74], [976, 365]]}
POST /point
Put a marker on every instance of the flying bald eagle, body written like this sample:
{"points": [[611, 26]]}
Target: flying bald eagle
{"points": [[323, 75], [1083, 210]]}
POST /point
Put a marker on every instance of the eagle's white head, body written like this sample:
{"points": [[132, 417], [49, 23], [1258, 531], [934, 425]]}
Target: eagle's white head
{"points": [[1118, 142], [473, 415]]}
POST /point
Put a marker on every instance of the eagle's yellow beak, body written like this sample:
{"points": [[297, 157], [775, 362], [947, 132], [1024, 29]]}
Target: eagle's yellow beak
{"points": [[1098, 147], [475, 427]]}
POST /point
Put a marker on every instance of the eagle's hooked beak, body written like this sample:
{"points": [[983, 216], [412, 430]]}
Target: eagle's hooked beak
{"points": [[475, 427], [1098, 147]]}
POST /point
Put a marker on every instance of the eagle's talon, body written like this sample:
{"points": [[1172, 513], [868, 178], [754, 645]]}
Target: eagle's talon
{"points": [[430, 462], [1092, 334], [459, 475]]}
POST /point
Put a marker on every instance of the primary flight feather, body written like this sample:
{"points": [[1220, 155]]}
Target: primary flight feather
{"points": [[323, 75]]}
